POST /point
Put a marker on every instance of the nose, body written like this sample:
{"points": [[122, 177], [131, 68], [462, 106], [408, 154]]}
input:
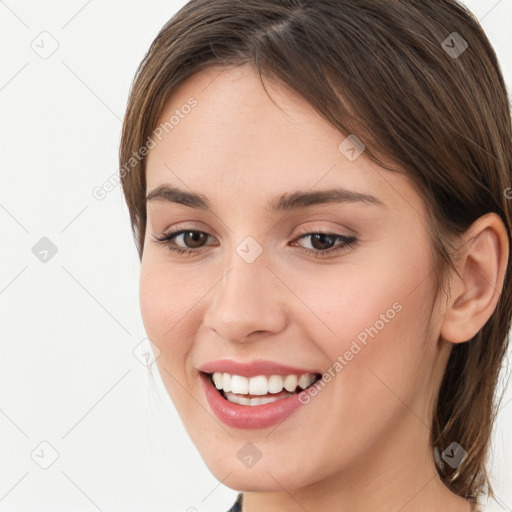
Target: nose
{"points": [[246, 302]]}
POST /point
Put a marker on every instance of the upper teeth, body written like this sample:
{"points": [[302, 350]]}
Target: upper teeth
{"points": [[262, 384]]}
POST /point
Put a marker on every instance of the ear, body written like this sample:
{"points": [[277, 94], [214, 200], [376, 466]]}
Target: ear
{"points": [[482, 268]]}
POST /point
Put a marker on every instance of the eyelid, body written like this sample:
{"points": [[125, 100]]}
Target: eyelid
{"points": [[327, 231], [350, 236], [187, 225]]}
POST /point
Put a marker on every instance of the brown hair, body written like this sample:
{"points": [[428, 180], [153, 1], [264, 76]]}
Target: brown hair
{"points": [[384, 70]]}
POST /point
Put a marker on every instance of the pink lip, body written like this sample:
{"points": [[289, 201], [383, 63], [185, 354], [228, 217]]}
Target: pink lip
{"points": [[244, 416], [252, 369]]}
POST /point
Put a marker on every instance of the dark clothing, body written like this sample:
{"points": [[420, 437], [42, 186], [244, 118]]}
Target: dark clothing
{"points": [[237, 506]]}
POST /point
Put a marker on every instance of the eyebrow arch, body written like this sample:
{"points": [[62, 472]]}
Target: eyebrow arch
{"points": [[286, 202]]}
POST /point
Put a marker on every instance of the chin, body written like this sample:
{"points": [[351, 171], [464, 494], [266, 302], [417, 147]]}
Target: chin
{"points": [[264, 476]]}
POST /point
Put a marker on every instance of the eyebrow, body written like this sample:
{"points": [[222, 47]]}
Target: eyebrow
{"points": [[285, 202]]}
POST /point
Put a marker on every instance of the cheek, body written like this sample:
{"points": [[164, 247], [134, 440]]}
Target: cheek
{"points": [[370, 318], [165, 303], [385, 297], [166, 298], [345, 304], [375, 365], [385, 360]]}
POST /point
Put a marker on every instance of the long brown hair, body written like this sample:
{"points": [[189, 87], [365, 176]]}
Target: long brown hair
{"points": [[420, 84]]}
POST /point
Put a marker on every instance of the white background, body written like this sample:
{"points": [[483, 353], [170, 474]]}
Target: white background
{"points": [[69, 327]]}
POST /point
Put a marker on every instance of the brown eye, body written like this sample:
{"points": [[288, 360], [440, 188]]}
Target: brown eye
{"points": [[322, 242], [191, 240], [194, 239]]}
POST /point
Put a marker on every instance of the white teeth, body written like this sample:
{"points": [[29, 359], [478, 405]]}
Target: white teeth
{"points": [[226, 382], [261, 384], [239, 384], [258, 385], [268, 400], [290, 382], [242, 400], [304, 381], [217, 380], [275, 384]]}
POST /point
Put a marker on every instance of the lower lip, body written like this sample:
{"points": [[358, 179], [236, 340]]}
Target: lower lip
{"points": [[248, 416]]}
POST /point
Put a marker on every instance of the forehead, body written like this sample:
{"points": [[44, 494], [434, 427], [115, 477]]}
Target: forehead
{"points": [[235, 115], [236, 138]]}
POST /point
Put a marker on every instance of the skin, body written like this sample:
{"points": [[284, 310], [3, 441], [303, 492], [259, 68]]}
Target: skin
{"points": [[363, 442]]}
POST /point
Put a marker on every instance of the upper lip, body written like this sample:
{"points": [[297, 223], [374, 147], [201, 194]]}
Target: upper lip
{"points": [[252, 368]]}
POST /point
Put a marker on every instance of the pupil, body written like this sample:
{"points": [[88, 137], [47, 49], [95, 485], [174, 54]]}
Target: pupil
{"points": [[195, 236], [319, 237]]}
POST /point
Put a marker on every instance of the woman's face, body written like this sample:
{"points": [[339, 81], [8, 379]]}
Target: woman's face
{"points": [[257, 284]]}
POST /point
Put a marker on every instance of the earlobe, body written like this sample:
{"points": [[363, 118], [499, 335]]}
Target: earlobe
{"points": [[482, 269]]}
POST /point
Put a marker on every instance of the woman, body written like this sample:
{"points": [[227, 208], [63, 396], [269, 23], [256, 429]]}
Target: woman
{"points": [[320, 196]]}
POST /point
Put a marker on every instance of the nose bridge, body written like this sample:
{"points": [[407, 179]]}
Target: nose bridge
{"points": [[247, 297]]}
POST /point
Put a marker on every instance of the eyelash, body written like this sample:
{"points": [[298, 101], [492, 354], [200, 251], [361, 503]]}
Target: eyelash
{"points": [[166, 239]]}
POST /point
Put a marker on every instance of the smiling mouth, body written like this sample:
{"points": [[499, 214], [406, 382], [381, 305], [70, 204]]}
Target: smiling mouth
{"points": [[260, 390]]}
